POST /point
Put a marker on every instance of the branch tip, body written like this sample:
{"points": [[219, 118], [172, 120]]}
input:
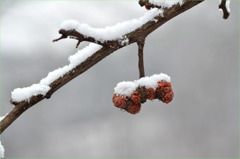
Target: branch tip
{"points": [[222, 6], [62, 37], [78, 43]]}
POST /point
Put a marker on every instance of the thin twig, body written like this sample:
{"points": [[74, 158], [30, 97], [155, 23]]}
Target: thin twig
{"points": [[107, 49], [140, 58], [222, 6]]}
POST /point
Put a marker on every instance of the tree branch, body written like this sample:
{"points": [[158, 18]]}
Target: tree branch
{"points": [[140, 58], [107, 49], [222, 6], [78, 36], [147, 4]]}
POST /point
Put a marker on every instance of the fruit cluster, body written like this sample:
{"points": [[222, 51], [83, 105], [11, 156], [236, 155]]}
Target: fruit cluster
{"points": [[132, 104]]}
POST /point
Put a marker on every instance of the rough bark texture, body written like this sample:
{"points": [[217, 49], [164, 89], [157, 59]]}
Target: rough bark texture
{"points": [[108, 48]]}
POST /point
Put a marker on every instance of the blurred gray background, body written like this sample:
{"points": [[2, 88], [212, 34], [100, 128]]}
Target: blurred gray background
{"points": [[198, 49]]}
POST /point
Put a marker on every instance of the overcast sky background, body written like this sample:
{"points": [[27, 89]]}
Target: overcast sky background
{"points": [[198, 49]]}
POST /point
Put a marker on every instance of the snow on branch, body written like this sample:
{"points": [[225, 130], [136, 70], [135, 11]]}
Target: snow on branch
{"points": [[126, 88], [224, 6], [140, 28], [161, 4], [104, 36], [42, 88]]}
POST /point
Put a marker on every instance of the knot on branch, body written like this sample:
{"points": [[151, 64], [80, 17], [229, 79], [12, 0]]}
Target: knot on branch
{"points": [[132, 103]]}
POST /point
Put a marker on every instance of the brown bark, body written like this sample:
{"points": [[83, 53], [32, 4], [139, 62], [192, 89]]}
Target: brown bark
{"points": [[224, 9], [108, 48], [140, 58]]}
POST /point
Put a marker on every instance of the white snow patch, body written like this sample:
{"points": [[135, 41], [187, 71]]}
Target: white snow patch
{"points": [[83, 54], [1, 150], [114, 32], [2, 117], [52, 76], [228, 6], [24, 94], [155, 20], [126, 88], [166, 3], [124, 42]]}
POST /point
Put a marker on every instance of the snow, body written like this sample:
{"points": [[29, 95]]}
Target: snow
{"points": [[52, 76], [2, 117], [124, 41], [1, 150], [1, 146], [165, 3], [115, 32], [83, 54], [24, 94], [228, 6], [127, 87], [21, 94]]}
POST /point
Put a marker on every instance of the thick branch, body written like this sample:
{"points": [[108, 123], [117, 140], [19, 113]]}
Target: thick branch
{"points": [[140, 58], [224, 9], [133, 37]]}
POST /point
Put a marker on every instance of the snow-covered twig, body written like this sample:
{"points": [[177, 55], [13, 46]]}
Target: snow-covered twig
{"points": [[161, 4], [126, 38], [105, 36], [224, 6]]}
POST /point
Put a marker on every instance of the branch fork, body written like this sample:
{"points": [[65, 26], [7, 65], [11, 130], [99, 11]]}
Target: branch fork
{"points": [[108, 48]]}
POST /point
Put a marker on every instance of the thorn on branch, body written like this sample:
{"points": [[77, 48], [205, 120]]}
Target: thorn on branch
{"points": [[222, 6]]}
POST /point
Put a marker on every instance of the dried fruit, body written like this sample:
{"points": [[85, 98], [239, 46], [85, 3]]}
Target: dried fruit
{"points": [[134, 108], [147, 7], [119, 101], [164, 92], [135, 96], [168, 97], [140, 94], [151, 93]]}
